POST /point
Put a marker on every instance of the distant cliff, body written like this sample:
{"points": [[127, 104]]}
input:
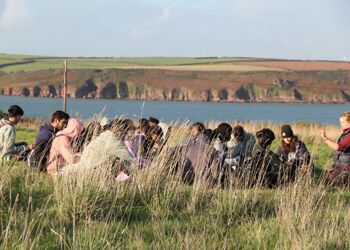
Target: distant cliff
{"points": [[205, 86]]}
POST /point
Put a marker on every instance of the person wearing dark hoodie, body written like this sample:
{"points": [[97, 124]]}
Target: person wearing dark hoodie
{"points": [[293, 151], [59, 121], [262, 166]]}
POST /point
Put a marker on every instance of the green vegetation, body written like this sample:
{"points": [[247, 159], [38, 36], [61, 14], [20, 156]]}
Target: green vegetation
{"points": [[156, 211], [14, 63]]}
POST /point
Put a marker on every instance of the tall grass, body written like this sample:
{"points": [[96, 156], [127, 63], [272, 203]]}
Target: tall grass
{"points": [[85, 208]]}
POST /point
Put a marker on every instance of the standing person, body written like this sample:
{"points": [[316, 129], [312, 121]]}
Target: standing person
{"points": [[340, 172], [61, 152], [9, 149], [293, 151], [59, 121]]}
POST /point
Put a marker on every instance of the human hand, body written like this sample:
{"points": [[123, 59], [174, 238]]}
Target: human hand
{"points": [[323, 134]]}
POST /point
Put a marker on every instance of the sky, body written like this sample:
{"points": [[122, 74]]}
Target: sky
{"points": [[287, 29]]}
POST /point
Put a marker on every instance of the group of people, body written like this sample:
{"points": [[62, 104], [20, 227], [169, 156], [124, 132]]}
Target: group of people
{"points": [[215, 157]]}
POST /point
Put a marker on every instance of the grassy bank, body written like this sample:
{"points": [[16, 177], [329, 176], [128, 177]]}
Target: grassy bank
{"points": [[156, 211]]}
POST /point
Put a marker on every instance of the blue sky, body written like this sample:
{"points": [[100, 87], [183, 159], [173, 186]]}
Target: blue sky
{"points": [[291, 29]]}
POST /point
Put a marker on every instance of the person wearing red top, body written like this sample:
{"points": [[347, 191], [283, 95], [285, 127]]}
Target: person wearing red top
{"points": [[340, 171]]}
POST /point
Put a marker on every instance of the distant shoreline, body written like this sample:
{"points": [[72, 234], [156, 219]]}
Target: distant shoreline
{"points": [[187, 101]]}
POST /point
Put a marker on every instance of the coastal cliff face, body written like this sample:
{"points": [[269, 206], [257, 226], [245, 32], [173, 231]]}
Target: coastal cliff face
{"points": [[203, 86]]}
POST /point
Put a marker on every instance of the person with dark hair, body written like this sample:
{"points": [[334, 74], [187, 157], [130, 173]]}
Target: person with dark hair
{"points": [[263, 167], [153, 121], [38, 157], [61, 152], [9, 149], [208, 133], [93, 129], [136, 144], [293, 151], [221, 135], [240, 144], [216, 173], [59, 121], [153, 143], [196, 147]]}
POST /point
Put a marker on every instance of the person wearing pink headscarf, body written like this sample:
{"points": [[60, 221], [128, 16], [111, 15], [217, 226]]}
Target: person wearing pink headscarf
{"points": [[61, 152]]}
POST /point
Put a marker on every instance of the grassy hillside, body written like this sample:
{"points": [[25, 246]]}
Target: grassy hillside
{"points": [[178, 79], [13, 63], [156, 211]]}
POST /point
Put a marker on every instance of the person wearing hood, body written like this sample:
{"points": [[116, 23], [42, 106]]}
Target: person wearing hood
{"points": [[262, 166], [58, 122], [8, 146], [61, 152]]}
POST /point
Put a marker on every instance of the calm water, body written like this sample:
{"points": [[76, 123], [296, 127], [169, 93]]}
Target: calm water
{"points": [[169, 111]]}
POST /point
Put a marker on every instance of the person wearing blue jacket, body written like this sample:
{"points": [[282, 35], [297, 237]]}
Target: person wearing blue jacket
{"points": [[58, 122]]}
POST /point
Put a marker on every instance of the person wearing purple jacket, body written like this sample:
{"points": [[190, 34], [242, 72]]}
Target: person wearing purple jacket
{"points": [[58, 122]]}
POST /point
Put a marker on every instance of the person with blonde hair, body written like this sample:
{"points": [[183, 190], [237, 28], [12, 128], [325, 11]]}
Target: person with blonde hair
{"points": [[340, 171]]}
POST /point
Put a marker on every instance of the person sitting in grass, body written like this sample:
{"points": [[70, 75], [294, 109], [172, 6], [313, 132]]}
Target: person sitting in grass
{"points": [[339, 175], [61, 152], [239, 145], [263, 167], [135, 145], [216, 173], [196, 147], [9, 149], [293, 151], [153, 121], [58, 122]]}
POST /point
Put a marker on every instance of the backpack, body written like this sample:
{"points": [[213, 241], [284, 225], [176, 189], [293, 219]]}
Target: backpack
{"points": [[38, 158]]}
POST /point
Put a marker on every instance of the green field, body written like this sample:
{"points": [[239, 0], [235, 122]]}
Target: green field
{"points": [[32, 63], [156, 211]]}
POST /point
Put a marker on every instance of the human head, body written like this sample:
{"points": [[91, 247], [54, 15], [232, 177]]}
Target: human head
{"points": [[121, 128], [73, 129], [344, 120], [15, 113], [265, 137], [208, 133], [59, 120], [142, 125], [287, 133], [197, 128], [223, 132], [156, 133], [238, 133], [153, 121]]}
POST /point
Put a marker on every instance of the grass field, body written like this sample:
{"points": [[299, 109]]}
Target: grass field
{"points": [[15, 63], [156, 211], [39, 63]]}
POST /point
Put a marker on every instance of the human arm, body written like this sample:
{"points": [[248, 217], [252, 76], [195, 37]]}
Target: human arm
{"points": [[332, 144]]}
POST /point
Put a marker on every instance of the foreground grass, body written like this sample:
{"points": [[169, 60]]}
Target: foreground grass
{"points": [[156, 211]]}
